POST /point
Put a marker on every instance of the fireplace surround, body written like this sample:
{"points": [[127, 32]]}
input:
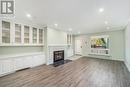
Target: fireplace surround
{"points": [[57, 55]]}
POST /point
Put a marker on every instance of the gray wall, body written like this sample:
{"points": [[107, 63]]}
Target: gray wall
{"points": [[56, 37], [127, 46], [117, 44]]}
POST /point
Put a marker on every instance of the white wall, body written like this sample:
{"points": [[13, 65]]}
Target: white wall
{"points": [[127, 46], [56, 37], [117, 45]]}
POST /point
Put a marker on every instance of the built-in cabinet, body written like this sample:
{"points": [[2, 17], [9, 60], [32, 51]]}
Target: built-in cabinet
{"points": [[69, 43], [18, 62], [12, 33]]}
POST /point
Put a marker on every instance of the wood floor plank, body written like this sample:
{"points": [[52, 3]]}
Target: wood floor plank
{"points": [[84, 72]]}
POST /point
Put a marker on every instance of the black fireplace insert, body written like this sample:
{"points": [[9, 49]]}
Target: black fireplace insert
{"points": [[58, 55]]}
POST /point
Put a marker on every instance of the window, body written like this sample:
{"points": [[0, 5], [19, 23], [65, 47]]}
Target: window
{"points": [[100, 45]]}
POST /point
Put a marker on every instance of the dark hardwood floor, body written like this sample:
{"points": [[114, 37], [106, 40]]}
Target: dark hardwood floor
{"points": [[84, 72]]}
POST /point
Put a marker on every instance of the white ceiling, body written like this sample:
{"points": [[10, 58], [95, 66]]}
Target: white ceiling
{"points": [[80, 15]]}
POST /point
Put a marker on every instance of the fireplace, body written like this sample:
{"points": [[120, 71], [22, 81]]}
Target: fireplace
{"points": [[58, 55]]}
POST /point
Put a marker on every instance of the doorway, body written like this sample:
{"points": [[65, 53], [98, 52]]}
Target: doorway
{"points": [[78, 47]]}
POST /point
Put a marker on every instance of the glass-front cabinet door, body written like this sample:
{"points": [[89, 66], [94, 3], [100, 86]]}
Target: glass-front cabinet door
{"points": [[26, 34], [5, 32], [69, 39], [13, 33], [34, 35], [17, 33], [40, 36]]}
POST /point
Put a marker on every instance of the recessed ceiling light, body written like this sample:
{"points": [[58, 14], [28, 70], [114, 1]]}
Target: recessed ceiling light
{"points": [[70, 29], [79, 32], [101, 9], [28, 15], [56, 25], [106, 22], [108, 28]]}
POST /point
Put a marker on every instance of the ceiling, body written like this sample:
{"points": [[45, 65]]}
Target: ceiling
{"points": [[82, 16]]}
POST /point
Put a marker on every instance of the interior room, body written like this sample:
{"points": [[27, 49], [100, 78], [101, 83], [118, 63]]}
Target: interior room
{"points": [[64, 43]]}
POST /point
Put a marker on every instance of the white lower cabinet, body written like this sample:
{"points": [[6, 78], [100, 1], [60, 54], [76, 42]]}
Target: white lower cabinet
{"points": [[6, 67], [17, 63], [70, 52], [38, 60], [27, 61]]}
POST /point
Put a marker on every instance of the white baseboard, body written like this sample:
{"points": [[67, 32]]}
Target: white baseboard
{"points": [[105, 58], [118, 59], [1, 75], [127, 65]]}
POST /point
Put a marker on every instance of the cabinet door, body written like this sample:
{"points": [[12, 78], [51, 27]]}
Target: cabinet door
{"points": [[27, 62], [23, 62], [34, 33], [17, 33], [18, 63], [41, 36], [5, 32], [26, 34], [6, 66], [38, 60], [69, 39], [70, 52]]}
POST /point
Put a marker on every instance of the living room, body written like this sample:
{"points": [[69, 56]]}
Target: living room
{"points": [[64, 43]]}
